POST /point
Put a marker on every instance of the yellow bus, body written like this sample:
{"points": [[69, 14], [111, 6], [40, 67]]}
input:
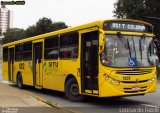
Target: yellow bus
{"points": [[104, 58]]}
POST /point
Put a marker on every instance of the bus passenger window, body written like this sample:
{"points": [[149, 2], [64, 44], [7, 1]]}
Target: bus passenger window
{"points": [[51, 48], [27, 51], [5, 54], [18, 52], [69, 46]]}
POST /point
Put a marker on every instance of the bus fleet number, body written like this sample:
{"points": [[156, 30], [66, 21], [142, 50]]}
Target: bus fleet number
{"points": [[126, 78]]}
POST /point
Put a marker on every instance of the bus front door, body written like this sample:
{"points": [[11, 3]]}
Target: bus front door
{"points": [[89, 62], [37, 64], [11, 64]]}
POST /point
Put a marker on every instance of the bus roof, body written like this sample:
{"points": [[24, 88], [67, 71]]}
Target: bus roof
{"points": [[98, 23]]}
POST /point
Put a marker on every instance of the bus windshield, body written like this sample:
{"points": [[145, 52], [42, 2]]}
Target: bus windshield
{"points": [[128, 51]]}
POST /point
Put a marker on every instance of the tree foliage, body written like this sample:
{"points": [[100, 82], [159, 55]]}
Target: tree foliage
{"points": [[43, 25], [31, 31], [13, 35], [137, 9]]}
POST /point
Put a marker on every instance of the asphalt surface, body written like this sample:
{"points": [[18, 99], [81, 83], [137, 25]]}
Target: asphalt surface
{"points": [[143, 104], [103, 105]]}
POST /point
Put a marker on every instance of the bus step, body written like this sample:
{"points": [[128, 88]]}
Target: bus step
{"points": [[38, 87]]}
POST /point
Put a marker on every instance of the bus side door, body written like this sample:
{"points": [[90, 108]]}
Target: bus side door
{"points": [[11, 64], [37, 64], [89, 62]]}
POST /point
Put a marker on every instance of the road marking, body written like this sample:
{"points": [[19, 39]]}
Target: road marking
{"points": [[150, 105]]}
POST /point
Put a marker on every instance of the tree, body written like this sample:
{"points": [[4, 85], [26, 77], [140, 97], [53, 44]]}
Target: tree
{"points": [[13, 35], [43, 25], [146, 10], [58, 25], [31, 31], [137, 9]]}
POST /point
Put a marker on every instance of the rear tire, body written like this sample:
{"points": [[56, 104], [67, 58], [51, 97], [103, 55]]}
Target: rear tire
{"points": [[72, 90], [20, 81]]}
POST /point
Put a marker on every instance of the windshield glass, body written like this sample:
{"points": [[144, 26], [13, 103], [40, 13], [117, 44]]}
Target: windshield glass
{"points": [[128, 51]]}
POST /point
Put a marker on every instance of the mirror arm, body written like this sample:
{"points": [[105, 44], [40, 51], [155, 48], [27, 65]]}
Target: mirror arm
{"points": [[102, 35]]}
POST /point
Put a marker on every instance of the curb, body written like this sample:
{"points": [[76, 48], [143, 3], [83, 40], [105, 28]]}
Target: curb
{"points": [[42, 99], [52, 104]]}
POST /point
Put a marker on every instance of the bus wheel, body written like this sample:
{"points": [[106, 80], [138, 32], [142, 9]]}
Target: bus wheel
{"points": [[20, 81], [72, 90]]}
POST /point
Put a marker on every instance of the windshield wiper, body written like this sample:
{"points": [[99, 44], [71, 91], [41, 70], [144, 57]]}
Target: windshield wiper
{"points": [[140, 44], [129, 48], [124, 42], [122, 39], [140, 48]]}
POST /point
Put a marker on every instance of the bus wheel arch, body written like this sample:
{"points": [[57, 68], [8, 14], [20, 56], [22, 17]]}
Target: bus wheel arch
{"points": [[72, 89], [19, 80]]}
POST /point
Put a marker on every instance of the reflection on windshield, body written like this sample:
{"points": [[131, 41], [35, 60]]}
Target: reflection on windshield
{"points": [[128, 51]]}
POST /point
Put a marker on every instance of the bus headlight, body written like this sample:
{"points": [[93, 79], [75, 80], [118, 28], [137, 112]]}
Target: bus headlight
{"points": [[150, 81], [112, 81], [117, 82], [106, 77]]}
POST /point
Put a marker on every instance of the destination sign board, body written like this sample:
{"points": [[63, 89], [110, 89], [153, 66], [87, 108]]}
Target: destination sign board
{"points": [[127, 26]]}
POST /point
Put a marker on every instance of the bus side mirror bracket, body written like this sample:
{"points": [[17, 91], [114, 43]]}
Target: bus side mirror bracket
{"points": [[101, 41]]}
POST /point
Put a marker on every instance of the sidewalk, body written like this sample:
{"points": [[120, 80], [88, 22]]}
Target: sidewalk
{"points": [[16, 100]]}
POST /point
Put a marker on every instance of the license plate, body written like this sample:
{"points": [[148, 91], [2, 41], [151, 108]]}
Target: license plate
{"points": [[136, 88]]}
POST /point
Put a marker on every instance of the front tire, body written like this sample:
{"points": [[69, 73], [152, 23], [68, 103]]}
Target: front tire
{"points": [[72, 90]]}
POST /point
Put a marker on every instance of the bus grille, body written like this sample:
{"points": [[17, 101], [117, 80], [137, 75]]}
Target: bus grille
{"points": [[129, 90], [142, 81], [134, 91], [134, 72]]}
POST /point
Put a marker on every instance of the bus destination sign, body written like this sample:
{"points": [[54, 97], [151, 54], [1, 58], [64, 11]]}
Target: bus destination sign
{"points": [[127, 26]]}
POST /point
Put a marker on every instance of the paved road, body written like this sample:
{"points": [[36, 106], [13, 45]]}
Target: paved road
{"points": [[146, 103], [97, 105]]}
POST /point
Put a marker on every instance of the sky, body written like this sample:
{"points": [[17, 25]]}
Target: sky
{"points": [[72, 12]]}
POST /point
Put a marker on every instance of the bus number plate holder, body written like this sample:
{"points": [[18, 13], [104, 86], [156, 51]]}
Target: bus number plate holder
{"points": [[136, 88]]}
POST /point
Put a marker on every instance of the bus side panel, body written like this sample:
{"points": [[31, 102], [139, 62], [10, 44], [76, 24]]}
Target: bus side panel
{"points": [[70, 67], [51, 75], [5, 70], [55, 73], [26, 71], [16, 70]]}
